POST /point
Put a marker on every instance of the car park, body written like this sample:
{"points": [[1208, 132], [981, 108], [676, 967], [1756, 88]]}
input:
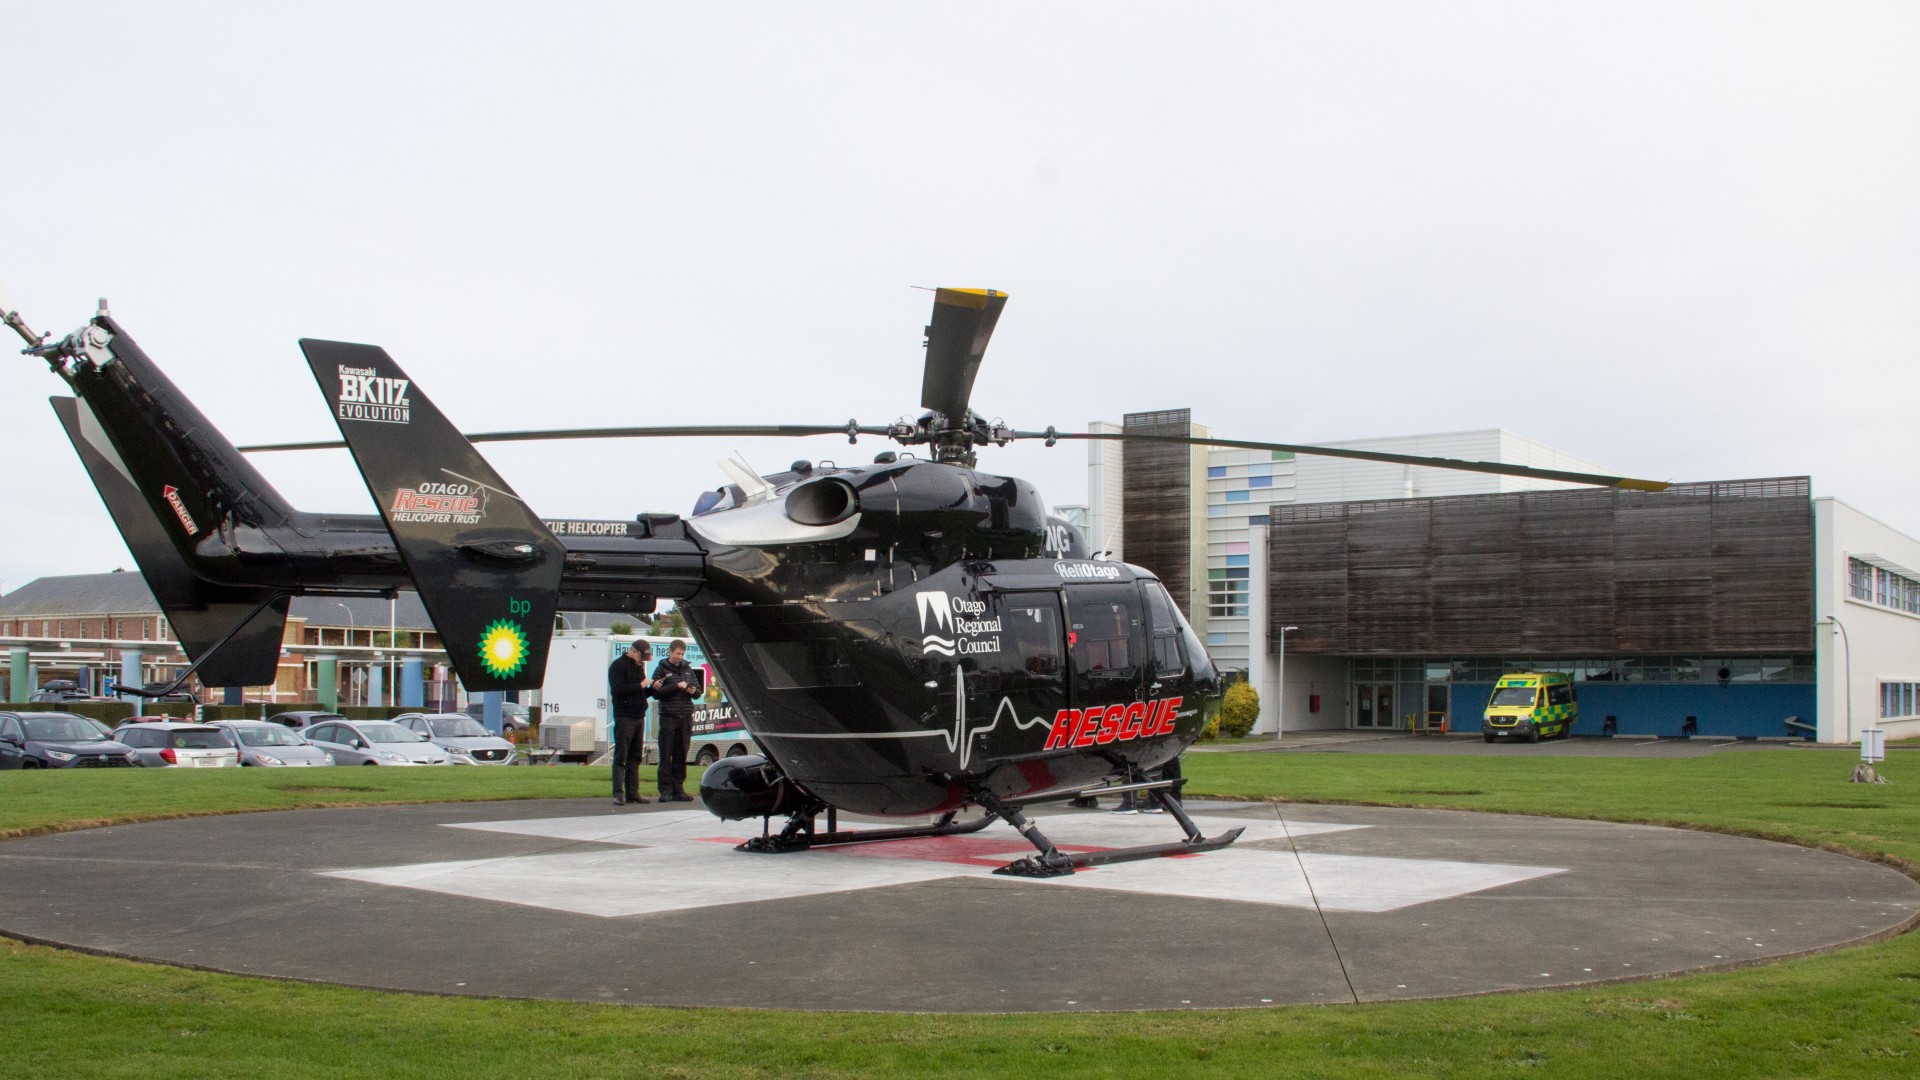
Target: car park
{"points": [[169, 744], [272, 745], [303, 719], [462, 737], [57, 740], [374, 742]]}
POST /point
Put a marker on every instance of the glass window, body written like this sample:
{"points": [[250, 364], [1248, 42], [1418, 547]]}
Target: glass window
{"points": [[1257, 519], [200, 740], [61, 727], [1237, 560], [1237, 496], [1259, 481], [1102, 639], [1214, 471]]}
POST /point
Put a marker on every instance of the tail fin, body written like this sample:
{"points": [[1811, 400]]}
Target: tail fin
{"points": [[182, 468], [487, 568], [201, 612]]}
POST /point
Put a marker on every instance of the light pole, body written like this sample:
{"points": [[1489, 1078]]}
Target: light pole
{"points": [[1848, 642], [1280, 690], [351, 627]]}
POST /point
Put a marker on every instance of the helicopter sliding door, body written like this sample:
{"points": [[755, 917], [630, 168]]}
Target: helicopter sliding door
{"points": [[1109, 645], [1014, 668]]}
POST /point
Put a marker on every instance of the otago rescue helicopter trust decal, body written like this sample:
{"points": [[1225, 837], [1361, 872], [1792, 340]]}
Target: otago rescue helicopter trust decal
{"points": [[440, 504], [172, 495], [367, 395], [571, 527]]}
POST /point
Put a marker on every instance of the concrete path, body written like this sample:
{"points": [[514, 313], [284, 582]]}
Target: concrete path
{"points": [[579, 901]]}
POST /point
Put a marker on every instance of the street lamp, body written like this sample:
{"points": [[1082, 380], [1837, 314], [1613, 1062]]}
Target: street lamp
{"points": [[1848, 642], [1280, 691], [351, 627]]}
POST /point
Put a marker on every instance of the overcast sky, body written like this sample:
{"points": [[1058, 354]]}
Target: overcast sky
{"points": [[1682, 240]]}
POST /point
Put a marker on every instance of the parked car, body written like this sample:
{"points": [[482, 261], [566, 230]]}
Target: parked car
{"points": [[512, 714], [263, 743], [167, 744], [57, 740], [374, 742], [299, 721], [62, 690], [462, 737]]}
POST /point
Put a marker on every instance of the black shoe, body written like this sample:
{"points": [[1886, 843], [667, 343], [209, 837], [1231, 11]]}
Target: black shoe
{"points": [[637, 800], [681, 796], [618, 801]]}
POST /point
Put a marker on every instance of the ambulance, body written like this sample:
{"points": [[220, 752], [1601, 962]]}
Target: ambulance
{"points": [[1531, 706]]}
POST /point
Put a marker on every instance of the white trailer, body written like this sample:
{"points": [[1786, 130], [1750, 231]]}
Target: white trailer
{"points": [[575, 692]]}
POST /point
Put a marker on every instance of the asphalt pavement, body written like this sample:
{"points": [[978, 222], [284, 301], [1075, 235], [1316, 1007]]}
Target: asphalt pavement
{"points": [[575, 900]]}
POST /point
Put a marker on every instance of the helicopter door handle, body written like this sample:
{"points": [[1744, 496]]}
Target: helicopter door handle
{"points": [[933, 684], [1155, 686]]}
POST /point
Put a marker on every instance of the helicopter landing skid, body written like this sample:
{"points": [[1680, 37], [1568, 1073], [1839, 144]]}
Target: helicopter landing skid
{"points": [[799, 835], [1052, 862]]}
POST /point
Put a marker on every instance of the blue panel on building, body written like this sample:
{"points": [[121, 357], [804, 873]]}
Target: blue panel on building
{"points": [[1742, 709]]}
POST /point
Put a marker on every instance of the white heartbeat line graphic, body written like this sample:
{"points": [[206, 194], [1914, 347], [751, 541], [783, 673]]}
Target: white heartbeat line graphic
{"points": [[936, 604], [960, 740]]}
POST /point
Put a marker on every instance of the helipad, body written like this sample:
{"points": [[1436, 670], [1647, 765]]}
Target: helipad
{"points": [[575, 900]]}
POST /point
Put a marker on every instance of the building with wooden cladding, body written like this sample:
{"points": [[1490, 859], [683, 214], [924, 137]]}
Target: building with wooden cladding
{"points": [[1711, 609]]}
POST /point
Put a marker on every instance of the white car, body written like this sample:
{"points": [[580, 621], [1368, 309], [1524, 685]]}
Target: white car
{"points": [[166, 744], [262, 743], [374, 742], [461, 737]]}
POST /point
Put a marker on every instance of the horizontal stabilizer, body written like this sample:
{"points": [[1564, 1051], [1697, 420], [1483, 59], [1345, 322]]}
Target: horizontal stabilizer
{"points": [[200, 612], [487, 568]]}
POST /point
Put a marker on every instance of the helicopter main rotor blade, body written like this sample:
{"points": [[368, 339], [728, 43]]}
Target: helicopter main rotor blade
{"points": [[849, 429], [1499, 467], [963, 321]]}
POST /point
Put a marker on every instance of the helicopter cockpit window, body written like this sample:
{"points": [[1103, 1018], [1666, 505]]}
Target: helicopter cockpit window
{"points": [[1164, 622], [1103, 640], [800, 665]]}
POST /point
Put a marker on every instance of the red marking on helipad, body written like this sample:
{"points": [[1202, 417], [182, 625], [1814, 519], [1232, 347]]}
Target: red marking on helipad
{"points": [[962, 850]]}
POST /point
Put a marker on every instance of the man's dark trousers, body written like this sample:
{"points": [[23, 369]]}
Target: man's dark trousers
{"points": [[676, 737], [629, 744]]}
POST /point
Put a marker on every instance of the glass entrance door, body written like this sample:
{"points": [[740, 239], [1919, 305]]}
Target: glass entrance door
{"points": [[1373, 705]]}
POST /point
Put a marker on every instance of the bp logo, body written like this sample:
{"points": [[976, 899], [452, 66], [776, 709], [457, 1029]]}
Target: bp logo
{"points": [[503, 648]]}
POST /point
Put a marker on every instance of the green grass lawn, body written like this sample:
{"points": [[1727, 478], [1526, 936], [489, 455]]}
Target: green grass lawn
{"points": [[1855, 1012]]}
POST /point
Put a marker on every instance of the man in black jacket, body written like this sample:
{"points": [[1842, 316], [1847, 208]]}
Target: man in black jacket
{"points": [[676, 684], [630, 690]]}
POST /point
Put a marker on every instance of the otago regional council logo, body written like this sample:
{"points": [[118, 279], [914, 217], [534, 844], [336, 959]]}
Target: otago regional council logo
{"points": [[503, 648]]}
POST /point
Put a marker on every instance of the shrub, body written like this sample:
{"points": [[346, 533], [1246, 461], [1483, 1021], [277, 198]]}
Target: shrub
{"points": [[1212, 730], [1238, 712]]}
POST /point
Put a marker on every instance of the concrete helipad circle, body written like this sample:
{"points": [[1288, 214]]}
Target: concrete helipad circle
{"points": [[577, 900]]}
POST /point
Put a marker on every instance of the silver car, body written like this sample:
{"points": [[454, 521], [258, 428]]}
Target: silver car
{"points": [[461, 737], [374, 742], [262, 743], [171, 744]]}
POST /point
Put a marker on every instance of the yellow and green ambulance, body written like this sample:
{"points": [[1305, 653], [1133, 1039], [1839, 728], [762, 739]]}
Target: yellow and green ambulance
{"points": [[1531, 705]]}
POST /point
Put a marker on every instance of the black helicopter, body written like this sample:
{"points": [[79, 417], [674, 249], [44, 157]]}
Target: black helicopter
{"points": [[910, 637]]}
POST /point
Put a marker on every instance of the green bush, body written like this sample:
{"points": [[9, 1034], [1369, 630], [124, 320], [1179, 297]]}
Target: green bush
{"points": [[1238, 712], [1212, 730]]}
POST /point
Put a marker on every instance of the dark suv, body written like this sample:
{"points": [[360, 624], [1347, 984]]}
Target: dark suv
{"points": [[57, 740]]}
